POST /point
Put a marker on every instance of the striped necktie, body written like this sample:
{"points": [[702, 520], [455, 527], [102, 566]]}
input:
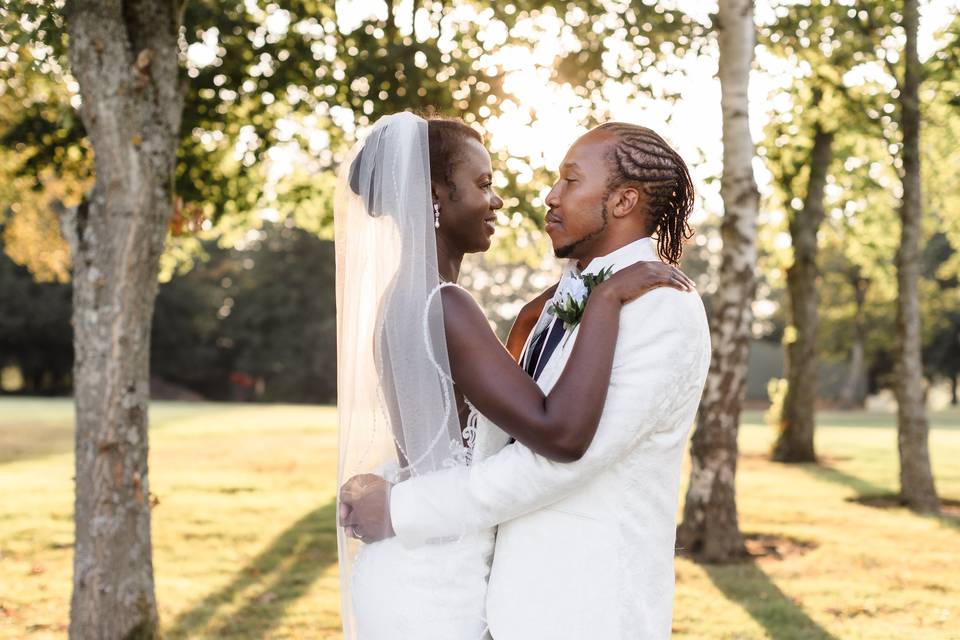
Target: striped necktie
{"points": [[543, 347]]}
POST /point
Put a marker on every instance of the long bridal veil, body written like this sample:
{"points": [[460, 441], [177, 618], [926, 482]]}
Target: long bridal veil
{"points": [[395, 404]]}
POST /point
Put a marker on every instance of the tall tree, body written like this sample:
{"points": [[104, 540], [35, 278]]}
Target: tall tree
{"points": [[854, 392], [124, 55], [710, 526], [916, 478], [795, 441]]}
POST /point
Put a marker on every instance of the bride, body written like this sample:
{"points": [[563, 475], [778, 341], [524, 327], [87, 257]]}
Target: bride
{"points": [[419, 368]]}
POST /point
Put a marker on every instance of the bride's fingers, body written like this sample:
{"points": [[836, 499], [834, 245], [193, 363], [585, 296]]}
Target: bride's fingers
{"points": [[684, 278]]}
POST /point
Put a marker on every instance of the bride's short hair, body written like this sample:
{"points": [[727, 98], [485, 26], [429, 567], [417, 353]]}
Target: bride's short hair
{"points": [[446, 137]]}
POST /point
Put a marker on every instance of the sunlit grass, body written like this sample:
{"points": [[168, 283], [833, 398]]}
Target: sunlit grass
{"points": [[243, 534], [244, 531], [872, 573]]}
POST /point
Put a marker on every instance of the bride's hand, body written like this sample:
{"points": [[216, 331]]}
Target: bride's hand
{"points": [[631, 282]]}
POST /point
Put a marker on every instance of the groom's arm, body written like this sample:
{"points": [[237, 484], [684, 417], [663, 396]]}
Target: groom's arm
{"points": [[659, 333]]}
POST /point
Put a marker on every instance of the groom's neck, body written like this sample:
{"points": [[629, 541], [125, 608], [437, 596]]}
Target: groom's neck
{"points": [[607, 246]]}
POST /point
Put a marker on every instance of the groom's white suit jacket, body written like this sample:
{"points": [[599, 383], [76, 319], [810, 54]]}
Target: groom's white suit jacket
{"points": [[584, 550]]}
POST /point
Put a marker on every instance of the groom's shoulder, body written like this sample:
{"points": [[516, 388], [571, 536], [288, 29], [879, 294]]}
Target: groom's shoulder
{"points": [[667, 306]]}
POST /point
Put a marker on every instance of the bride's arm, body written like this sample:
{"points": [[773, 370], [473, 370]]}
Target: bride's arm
{"points": [[526, 320], [561, 425]]}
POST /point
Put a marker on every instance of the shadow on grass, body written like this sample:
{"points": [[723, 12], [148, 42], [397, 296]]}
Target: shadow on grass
{"points": [[783, 618], [29, 441], [831, 474], [269, 584], [874, 495]]}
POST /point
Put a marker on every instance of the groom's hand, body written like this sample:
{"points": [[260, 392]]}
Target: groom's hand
{"points": [[365, 508]]}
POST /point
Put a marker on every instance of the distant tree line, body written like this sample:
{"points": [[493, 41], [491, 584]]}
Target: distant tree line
{"points": [[256, 323]]}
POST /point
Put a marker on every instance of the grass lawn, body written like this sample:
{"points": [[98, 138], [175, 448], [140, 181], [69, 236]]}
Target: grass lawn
{"points": [[244, 543]]}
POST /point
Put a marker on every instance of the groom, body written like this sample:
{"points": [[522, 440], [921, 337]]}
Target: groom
{"points": [[584, 549]]}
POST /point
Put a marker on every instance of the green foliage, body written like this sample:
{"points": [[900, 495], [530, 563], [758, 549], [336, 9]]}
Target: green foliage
{"points": [[255, 322], [35, 333], [273, 85], [847, 72], [262, 314]]}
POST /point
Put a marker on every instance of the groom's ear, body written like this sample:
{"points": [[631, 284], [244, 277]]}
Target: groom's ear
{"points": [[626, 199]]}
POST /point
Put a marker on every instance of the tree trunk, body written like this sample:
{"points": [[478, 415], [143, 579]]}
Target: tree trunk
{"points": [[710, 528], [795, 442], [854, 391], [953, 390], [916, 479], [125, 58]]}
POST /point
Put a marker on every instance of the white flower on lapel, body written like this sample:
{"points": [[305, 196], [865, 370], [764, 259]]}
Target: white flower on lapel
{"points": [[570, 300], [573, 288]]}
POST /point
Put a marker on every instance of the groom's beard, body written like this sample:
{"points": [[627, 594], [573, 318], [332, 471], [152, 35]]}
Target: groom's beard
{"points": [[570, 249]]}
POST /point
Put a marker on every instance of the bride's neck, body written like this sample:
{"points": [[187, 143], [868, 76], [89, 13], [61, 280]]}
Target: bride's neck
{"points": [[448, 261]]}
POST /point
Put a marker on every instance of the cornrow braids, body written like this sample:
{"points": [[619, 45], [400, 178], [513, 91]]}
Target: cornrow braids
{"points": [[643, 158]]}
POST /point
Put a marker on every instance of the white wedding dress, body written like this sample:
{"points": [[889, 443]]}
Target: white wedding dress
{"points": [[433, 592], [395, 392]]}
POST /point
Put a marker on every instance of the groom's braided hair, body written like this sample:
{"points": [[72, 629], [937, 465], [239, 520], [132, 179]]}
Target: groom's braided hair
{"points": [[642, 158], [446, 137]]}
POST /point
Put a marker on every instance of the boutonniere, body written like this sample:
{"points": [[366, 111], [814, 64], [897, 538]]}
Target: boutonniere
{"points": [[572, 295]]}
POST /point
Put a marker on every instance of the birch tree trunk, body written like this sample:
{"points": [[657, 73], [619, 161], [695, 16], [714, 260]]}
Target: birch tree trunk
{"points": [[710, 528], [124, 55], [916, 479], [795, 442]]}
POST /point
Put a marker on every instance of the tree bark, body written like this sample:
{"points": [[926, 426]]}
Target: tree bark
{"points": [[916, 478], [855, 388], [710, 528], [125, 58], [795, 441]]}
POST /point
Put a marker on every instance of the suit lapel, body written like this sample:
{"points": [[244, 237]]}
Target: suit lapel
{"points": [[558, 360], [643, 249]]}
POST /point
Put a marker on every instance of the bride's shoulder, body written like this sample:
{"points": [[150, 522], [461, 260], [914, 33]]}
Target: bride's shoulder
{"points": [[460, 309], [454, 294], [456, 299]]}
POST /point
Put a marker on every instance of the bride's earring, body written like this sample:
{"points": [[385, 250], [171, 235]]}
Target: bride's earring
{"points": [[436, 215]]}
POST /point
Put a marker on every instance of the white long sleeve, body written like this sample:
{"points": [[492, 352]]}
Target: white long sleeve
{"points": [[654, 370]]}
